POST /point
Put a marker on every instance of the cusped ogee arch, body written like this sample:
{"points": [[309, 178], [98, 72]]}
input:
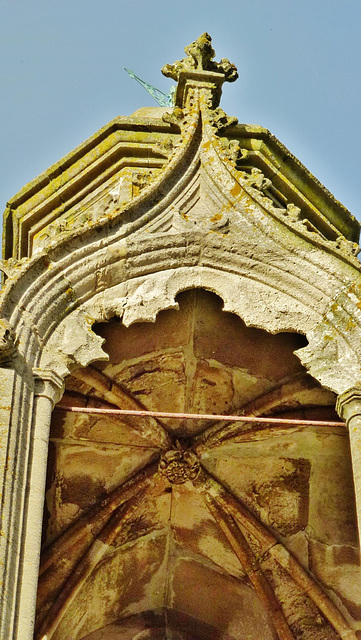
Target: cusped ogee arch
{"points": [[200, 224]]}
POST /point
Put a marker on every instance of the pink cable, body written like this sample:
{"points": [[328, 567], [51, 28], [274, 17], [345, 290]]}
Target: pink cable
{"points": [[198, 416]]}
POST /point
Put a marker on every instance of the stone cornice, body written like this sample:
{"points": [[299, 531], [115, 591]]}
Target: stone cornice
{"points": [[48, 384]]}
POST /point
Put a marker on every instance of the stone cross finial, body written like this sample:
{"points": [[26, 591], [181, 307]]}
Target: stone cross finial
{"points": [[200, 54]]}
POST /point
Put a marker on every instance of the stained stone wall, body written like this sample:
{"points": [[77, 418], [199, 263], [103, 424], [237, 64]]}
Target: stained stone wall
{"points": [[172, 555], [179, 261]]}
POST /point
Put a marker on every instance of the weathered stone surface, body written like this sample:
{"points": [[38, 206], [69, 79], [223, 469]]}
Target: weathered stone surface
{"points": [[278, 476], [200, 54], [7, 338], [179, 262]]}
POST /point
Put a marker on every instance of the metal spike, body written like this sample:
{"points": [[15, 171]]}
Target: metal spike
{"points": [[163, 99]]}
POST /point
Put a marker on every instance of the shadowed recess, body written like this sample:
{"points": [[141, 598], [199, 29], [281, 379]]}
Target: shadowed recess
{"points": [[164, 528]]}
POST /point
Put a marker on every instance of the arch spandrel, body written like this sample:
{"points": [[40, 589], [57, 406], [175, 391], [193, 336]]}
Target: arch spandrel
{"points": [[115, 237]]}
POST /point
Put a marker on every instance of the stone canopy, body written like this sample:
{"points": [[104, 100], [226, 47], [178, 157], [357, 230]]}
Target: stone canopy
{"points": [[180, 262]]}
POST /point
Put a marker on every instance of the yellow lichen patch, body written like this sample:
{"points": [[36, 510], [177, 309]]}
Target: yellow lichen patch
{"points": [[350, 325], [236, 190], [216, 217]]}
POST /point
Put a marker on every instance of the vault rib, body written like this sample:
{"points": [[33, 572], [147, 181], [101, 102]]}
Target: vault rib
{"points": [[109, 390], [275, 549], [250, 566], [61, 558], [217, 434], [167, 577], [88, 400], [97, 550], [102, 443]]}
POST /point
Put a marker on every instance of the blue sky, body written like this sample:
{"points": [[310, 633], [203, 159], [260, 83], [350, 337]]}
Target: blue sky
{"points": [[62, 78]]}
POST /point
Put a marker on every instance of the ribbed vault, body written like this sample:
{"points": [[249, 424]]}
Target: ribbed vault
{"points": [[182, 529], [166, 528]]}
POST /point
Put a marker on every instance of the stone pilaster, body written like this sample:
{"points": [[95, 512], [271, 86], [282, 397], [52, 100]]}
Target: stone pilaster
{"points": [[48, 389], [348, 407]]}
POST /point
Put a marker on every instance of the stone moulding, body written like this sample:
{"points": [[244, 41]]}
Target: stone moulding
{"points": [[198, 223]]}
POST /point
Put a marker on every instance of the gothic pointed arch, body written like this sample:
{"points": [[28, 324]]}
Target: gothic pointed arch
{"points": [[151, 208]]}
